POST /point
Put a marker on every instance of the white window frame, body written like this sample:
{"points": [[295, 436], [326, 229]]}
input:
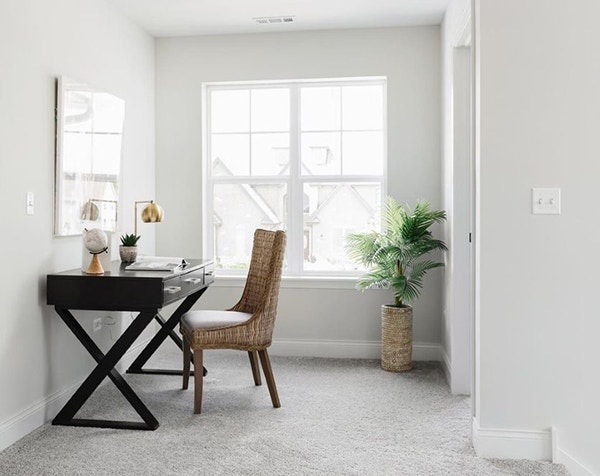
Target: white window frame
{"points": [[294, 181]]}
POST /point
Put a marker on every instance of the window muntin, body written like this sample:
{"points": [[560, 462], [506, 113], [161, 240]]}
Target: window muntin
{"points": [[307, 157]]}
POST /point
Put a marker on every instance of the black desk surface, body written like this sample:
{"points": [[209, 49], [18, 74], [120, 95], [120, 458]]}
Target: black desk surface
{"points": [[122, 290]]}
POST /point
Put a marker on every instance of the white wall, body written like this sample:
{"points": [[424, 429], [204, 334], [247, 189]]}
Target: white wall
{"points": [[409, 57], [40, 360], [456, 185], [539, 104]]}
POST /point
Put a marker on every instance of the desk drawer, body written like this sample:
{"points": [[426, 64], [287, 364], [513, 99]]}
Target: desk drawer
{"points": [[183, 285], [200, 276], [103, 293]]}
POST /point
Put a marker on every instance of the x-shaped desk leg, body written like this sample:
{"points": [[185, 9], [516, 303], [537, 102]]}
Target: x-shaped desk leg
{"points": [[167, 329], [105, 368]]}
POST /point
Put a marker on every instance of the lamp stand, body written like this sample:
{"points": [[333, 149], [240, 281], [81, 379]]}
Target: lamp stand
{"points": [[135, 214]]}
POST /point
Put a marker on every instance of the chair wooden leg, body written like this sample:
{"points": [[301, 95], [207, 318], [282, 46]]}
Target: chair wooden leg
{"points": [[255, 367], [198, 380], [186, 363], [266, 365]]}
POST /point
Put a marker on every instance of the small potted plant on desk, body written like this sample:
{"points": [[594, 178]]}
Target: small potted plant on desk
{"points": [[396, 258], [128, 248]]}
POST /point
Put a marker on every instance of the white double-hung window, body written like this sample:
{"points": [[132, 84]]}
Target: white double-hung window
{"points": [[308, 157]]}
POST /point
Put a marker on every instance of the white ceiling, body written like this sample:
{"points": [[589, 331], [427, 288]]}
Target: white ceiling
{"points": [[204, 17]]}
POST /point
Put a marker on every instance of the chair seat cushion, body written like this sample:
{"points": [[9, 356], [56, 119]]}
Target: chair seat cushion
{"points": [[204, 320]]}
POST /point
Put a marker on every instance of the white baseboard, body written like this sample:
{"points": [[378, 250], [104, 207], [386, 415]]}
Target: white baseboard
{"points": [[525, 444], [512, 444], [574, 467], [458, 384], [45, 409], [34, 416], [347, 349], [446, 366]]}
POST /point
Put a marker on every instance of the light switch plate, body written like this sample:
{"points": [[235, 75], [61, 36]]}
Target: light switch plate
{"points": [[30, 203], [545, 201]]}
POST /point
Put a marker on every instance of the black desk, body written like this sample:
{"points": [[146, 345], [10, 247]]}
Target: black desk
{"points": [[144, 292]]}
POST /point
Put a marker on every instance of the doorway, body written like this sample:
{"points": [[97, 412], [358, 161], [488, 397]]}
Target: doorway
{"points": [[462, 238]]}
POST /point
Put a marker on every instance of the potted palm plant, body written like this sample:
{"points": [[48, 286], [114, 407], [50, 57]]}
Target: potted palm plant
{"points": [[397, 258]]}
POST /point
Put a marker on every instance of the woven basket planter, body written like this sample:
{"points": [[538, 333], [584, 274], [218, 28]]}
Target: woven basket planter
{"points": [[396, 338]]}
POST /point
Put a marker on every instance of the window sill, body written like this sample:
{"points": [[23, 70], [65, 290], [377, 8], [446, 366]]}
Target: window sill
{"points": [[294, 282]]}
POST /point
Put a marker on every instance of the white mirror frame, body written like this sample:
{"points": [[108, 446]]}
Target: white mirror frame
{"points": [[89, 133]]}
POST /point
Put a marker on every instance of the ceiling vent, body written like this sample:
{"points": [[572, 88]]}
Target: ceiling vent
{"points": [[269, 20]]}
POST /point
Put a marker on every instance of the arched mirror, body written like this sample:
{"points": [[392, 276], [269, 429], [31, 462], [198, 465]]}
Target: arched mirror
{"points": [[89, 133]]}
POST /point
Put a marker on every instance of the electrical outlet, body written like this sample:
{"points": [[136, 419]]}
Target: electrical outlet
{"points": [[97, 324], [109, 321]]}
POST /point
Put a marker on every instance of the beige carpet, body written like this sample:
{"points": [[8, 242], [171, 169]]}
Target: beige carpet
{"points": [[338, 417]]}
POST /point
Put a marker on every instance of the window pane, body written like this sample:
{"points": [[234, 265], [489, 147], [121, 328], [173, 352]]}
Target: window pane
{"points": [[321, 153], [230, 154], [270, 154], [238, 210], [270, 110], [362, 107], [333, 211], [230, 111], [320, 109], [362, 153]]}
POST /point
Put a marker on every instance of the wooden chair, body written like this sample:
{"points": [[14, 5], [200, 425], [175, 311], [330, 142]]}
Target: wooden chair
{"points": [[247, 326]]}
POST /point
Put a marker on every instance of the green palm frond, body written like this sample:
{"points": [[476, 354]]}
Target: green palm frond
{"points": [[405, 290], [374, 279], [393, 257], [394, 215], [418, 270], [362, 247]]}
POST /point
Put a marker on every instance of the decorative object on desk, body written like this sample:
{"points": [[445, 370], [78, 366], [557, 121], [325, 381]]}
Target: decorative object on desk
{"points": [[105, 258], [396, 258], [157, 263], [152, 213], [96, 242], [128, 248]]}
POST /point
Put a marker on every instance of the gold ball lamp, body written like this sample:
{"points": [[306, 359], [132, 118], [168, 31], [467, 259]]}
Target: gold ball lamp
{"points": [[152, 213]]}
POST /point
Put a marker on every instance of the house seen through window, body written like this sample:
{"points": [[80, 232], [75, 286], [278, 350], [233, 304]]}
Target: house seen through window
{"points": [[307, 157]]}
